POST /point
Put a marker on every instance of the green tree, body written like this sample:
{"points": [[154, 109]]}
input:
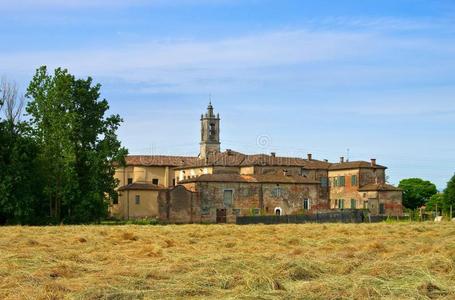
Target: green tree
{"points": [[435, 201], [449, 195], [78, 145], [416, 192], [19, 180]]}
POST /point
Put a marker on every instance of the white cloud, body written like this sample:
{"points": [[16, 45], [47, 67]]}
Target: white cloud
{"points": [[162, 63], [300, 57]]}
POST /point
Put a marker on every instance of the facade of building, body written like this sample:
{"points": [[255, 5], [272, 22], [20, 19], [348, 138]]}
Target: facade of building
{"points": [[218, 186]]}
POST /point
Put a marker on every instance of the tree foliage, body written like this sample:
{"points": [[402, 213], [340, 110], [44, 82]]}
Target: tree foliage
{"points": [[436, 202], [78, 144], [416, 192], [19, 176], [449, 195], [57, 166]]}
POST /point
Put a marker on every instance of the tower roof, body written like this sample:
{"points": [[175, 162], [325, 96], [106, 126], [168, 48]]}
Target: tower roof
{"points": [[210, 113]]}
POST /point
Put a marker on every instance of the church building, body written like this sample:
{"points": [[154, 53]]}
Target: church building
{"points": [[217, 186]]}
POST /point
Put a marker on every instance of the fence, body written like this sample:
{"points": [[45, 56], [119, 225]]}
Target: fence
{"points": [[351, 216]]}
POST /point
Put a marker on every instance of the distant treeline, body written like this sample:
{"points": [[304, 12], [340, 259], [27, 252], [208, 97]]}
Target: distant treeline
{"points": [[57, 162], [418, 193]]}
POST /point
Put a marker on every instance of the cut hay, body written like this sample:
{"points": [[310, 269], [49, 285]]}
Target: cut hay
{"points": [[311, 261]]}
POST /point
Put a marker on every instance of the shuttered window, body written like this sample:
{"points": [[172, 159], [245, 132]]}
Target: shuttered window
{"points": [[227, 197], [353, 204], [306, 204], [341, 181], [324, 181], [341, 203], [354, 180]]}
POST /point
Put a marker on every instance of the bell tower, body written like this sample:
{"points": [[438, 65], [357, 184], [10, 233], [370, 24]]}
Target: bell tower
{"points": [[210, 133]]}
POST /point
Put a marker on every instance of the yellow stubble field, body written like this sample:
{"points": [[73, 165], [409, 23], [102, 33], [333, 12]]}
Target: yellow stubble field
{"points": [[309, 261]]}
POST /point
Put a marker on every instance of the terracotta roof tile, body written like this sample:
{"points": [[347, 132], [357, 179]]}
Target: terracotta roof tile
{"points": [[354, 165], [237, 159], [158, 160], [378, 187], [141, 186], [251, 179], [231, 158]]}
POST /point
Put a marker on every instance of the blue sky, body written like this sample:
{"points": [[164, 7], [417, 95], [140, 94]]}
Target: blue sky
{"points": [[375, 77]]}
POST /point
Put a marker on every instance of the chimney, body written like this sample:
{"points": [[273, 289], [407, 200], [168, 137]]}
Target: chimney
{"points": [[310, 156], [342, 159], [326, 160], [229, 151], [373, 162], [273, 154]]}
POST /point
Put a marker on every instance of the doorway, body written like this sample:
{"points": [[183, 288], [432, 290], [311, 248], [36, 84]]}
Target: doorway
{"points": [[221, 215]]}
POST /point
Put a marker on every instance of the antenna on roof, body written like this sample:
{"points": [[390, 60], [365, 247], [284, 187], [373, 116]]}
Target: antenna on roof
{"points": [[347, 155]]}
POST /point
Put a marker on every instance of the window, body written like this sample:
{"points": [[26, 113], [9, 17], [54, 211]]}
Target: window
{"points": [[381, 209], [115, 201], [335, 181], [277, 192], [304, 172], [365, 204], [324, 181], [236, 211], [138, 199], [353, 204], [205, 211], [212, 129], [341, 203], [130, 180], [173, 182], [306, 204], [278, 211], [155, 181], [354, 180], [227, 197], [341, 180], [256, 211]]}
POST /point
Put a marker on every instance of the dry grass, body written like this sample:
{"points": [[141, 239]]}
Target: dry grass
{"points": [[238, 262]]}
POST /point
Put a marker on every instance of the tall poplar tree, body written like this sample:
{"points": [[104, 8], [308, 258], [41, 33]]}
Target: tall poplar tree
{"points": [[78, 145]]}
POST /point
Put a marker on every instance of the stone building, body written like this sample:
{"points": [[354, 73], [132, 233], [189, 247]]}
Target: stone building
{"points": [[218, 186], [223, 197]]}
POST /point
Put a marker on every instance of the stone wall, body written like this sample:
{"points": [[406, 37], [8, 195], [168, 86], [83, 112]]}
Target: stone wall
{"points": [[370, 175], [392, 202], [179, 206], [254, 199]]}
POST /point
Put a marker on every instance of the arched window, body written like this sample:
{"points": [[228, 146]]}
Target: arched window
{"points": [[212, 129]]}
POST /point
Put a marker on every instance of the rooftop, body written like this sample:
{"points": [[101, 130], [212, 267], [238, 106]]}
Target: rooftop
{"points": [[159, 160], [355, 165], [230, 158], [141, 186], [251, 179], [378, 187]]}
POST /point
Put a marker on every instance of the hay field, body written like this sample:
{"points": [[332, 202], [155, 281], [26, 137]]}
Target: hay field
{"points": [[312, 261]]}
